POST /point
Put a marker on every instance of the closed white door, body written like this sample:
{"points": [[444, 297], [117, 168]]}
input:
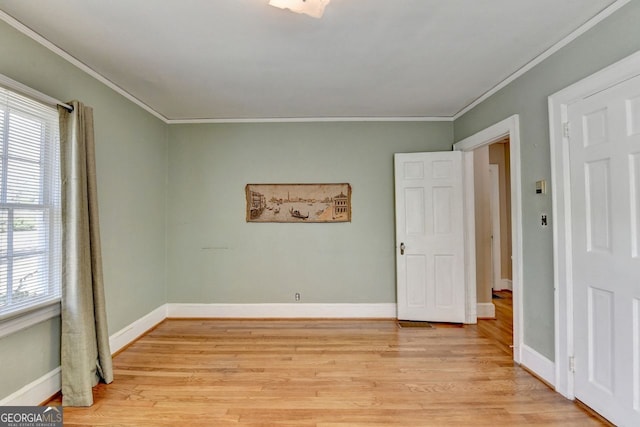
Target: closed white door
{"points": [[430, 237], [605, 215]]}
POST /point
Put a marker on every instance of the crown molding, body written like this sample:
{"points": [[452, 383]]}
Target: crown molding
{"points": [[605, 13], [93, 73], [601, 16], [310, 120], [79, 64]]}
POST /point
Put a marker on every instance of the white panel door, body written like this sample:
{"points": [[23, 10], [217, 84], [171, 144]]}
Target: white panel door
{"points": [[429, 237], [605, 211]]}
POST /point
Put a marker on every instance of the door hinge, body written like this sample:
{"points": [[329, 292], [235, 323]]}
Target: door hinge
{"points": [[565, 129], [572, 364]]}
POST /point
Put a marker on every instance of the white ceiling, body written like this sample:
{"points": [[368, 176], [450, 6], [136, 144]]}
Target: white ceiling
{"points": [[242, 59]]}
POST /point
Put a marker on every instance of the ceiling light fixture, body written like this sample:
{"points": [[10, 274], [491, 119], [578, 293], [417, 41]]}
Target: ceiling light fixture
{"points": [[313, 8]]}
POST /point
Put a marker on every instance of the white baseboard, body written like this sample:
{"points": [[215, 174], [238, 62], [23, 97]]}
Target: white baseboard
{"points": [[505, 285], [311, 311], [538, 364], [129, 333], [486, 310], [36, 391], [49, 384]]}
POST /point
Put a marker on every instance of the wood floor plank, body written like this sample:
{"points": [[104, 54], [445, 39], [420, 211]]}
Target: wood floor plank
{"points": [[322, 373]]}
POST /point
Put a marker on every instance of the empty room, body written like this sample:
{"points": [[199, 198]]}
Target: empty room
{"points": [[320, 212]]}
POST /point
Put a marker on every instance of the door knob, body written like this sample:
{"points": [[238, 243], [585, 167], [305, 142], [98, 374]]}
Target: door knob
{"points": [[402, 246]]}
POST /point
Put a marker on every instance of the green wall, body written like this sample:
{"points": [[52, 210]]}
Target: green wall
{"points": [[613, 39], [131, 152], [172, 197], [215, 256]]}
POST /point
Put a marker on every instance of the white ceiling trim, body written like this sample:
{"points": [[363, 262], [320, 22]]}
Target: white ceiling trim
{"points": [[312, 119], [537, 60], [81, 65], [544, 55]]}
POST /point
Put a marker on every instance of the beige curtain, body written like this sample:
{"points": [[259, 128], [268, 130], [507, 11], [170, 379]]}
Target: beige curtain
{"points": [[85, 353]]}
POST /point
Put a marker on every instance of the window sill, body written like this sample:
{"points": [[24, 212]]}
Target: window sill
{"points": [[29, 318]]}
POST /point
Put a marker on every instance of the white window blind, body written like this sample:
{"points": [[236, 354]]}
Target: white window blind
{"points": [[30, 230]]}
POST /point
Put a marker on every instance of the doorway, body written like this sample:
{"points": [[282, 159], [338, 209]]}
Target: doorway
{"points": [[492, 199], [492, 196], [507, 129]]}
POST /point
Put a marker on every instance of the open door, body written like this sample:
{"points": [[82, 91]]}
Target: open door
{"points": [[604, 158], [430, 237]]}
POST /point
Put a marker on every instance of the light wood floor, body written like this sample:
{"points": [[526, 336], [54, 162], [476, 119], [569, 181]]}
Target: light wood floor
{"points": [[500, 329], [320, 373]]}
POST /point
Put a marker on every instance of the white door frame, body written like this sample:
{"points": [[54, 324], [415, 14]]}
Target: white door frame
{"points": [[560, 184], [508, 127], [496, 249]]}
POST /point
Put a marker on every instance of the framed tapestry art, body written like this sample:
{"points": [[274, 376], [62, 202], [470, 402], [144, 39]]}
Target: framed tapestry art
{"points": [[298, 202]]}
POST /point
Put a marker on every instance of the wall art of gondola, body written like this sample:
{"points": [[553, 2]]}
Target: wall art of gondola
{"points": [[298, 203]]}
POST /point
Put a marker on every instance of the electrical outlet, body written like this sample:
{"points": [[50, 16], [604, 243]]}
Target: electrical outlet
{"points": [[543, 220], [297, 296]]}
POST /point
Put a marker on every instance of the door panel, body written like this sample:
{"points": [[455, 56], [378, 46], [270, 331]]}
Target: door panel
{"points": [[414, 208], [598, 201], [604, 147], [429, 225], [601, 325], [416, 273], [636, 354], [634, 160], [442, 210], [444, 272]]}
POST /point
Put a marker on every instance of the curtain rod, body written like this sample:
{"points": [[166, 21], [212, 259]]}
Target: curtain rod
{"points": [[9, 83]]}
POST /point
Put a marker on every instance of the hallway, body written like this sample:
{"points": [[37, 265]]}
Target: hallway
{"points": [[500, 329]]}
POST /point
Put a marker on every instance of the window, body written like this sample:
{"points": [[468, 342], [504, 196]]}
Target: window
{"points": [[29, 205]]}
